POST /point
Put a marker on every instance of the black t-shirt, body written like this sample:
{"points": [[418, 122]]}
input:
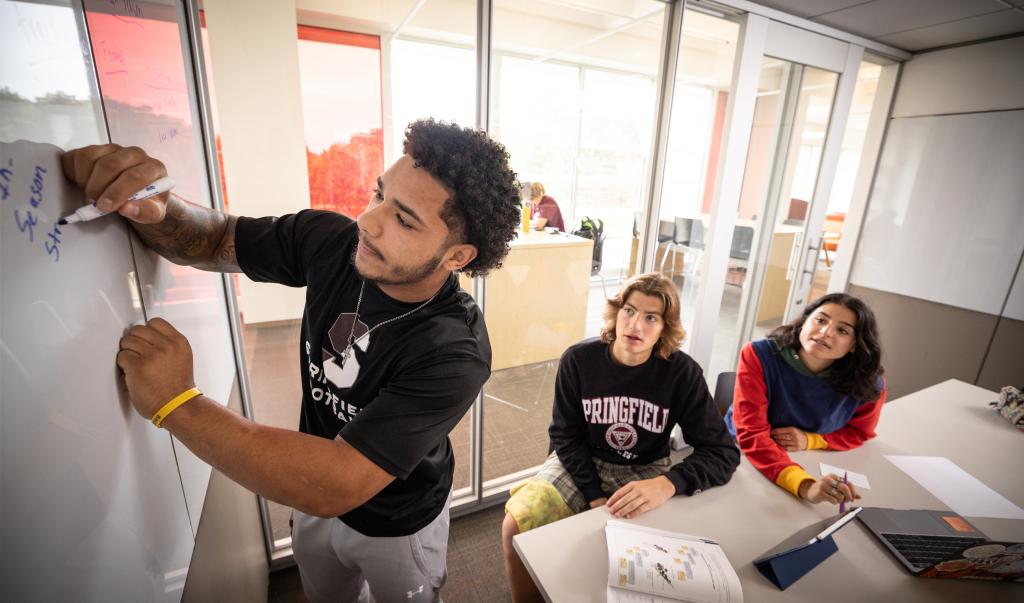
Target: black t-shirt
{"points": [[406, 385], [624, 415]]}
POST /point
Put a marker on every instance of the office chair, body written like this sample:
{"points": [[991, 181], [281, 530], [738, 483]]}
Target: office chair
{"points": [[742, 241], [667, 235], [689, 234], [725, 387], [597, 259]]}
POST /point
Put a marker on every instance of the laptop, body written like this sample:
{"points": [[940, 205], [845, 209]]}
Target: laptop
{"points": [[942, 544]]}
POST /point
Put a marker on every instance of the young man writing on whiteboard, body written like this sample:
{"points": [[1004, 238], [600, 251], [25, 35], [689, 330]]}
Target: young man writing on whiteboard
{"points": [[392, 351]]}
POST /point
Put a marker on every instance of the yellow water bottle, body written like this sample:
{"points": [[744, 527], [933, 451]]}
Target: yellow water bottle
{"points": [[526, 216]]}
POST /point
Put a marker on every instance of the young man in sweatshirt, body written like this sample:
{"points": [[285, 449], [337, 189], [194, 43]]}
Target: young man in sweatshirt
{"points": [[616, 400]]}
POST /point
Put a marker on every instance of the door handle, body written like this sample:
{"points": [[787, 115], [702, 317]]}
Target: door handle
{"points": [[793, 259]]}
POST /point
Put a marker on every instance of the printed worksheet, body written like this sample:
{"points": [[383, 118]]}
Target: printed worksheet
{"points": [[655, 566]]}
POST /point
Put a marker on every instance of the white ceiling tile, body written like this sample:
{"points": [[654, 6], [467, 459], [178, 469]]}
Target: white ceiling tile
{"points": [[883, 17], [966, 30], [808, 9]]}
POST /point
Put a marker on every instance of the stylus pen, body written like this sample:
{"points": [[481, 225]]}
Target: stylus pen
{"points": [[842, 521], [842, 505], [91, 212]]}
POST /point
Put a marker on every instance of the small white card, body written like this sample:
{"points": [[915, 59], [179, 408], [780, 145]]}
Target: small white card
{"points": [[857, 479]]}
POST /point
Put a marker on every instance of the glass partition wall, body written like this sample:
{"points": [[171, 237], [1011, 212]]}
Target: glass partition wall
{"points": [[573, 100], [749, 144]]}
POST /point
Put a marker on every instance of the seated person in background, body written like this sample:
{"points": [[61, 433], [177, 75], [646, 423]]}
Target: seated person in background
{"points": [[616, 400], [815, 383], [544, 206]]}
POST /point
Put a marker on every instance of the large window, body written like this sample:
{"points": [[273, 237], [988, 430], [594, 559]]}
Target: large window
{"points": [[573, 100], [342, 117], [430, 80], [703, 78]]}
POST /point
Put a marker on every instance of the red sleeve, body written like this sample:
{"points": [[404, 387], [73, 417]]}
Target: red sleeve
{"points": [[750, 416], [860, 428]]}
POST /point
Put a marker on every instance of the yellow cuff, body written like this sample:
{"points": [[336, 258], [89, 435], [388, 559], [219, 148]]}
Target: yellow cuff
{"points": [[791, 477], [815, 441]]}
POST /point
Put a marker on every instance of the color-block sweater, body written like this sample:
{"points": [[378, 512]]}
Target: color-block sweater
{"points": [[775, 389]]}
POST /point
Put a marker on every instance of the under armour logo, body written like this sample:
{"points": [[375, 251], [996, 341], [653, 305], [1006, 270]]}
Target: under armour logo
{"points": [[412, 593]]}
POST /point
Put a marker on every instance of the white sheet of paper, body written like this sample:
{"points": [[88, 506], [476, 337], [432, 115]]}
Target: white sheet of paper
{"points": [[857, 479], [959, 490]]}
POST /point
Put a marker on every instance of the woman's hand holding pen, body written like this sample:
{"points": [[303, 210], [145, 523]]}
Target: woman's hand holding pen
{"points": [[790, 438], [829, 488]]}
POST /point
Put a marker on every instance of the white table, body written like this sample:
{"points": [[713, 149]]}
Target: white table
{"points": [[749, 515]]}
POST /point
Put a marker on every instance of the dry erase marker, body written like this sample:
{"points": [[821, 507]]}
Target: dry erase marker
{"points": [[91, 212]]}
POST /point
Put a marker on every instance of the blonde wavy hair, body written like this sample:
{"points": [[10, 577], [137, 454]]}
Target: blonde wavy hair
{"points": [[658, 286]]}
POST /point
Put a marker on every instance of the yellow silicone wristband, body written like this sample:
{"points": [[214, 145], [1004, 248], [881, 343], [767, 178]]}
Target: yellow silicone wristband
{"points": [[175, 402]]}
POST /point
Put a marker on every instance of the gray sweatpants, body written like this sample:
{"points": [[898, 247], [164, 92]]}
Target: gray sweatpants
{"points": [[339, 564]]}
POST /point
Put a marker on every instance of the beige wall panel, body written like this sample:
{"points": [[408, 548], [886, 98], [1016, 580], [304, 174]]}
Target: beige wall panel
{"points": [[979, 77], [255, 60], [924, 343], [1004, 364]]}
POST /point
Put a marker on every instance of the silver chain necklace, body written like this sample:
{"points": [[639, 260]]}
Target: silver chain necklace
{"points": [[353, 340]]}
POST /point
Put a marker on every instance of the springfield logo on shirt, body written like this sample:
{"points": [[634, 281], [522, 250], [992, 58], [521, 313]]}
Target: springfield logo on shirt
{"points": [[334, 372], [625, 409], [621, 436]]}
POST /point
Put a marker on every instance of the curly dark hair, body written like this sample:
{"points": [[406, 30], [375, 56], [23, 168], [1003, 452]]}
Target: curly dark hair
{"points": [[484, 209], [856, 374]]}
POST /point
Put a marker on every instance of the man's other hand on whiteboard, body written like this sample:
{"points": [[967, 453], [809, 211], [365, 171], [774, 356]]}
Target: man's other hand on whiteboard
{"points": [[157, 364], [110, 174]]}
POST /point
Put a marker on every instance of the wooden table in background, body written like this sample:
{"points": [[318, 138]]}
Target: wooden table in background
{"points": [[537, 302]]}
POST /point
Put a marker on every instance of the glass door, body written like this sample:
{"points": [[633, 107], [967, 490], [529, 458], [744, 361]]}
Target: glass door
{"points": [[782, 178], [792, 96]]}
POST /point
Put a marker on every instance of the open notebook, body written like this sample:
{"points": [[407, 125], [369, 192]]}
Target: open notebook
{"points": [[651, 565]]}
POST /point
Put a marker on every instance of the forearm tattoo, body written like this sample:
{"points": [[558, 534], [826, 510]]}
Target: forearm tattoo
{"points": [[193, 236]]}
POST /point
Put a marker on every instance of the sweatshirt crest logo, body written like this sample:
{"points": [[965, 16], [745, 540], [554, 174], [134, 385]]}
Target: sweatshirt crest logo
{"points": [[621, 436]]}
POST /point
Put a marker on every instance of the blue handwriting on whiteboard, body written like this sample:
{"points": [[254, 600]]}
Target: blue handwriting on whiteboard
{"points": [[52, 243], [170, 134], [35, 200], [27, 224], [5, 180], [37, 186]]}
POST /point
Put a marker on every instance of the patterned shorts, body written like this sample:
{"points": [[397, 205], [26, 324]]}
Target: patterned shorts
{"points": [[552, 495]]}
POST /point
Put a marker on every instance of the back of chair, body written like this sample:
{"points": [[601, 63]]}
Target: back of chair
{"points": [[696, 235], [666, 231], [724, 389], [742, 241], [683, 227], [598, 257]]}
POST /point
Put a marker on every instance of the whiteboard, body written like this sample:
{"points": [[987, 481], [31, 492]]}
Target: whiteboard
{"points": [[96, 504], [946, 209], [146, 80]]}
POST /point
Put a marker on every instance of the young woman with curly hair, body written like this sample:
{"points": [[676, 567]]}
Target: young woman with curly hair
{"points": [[815, 383], [617, 398]]}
